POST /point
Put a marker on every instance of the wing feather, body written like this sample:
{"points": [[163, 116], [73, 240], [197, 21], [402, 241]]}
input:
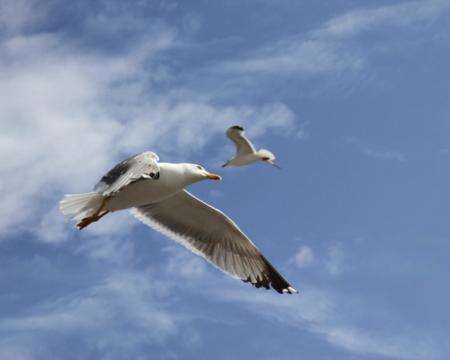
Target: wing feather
{"points": [[137, 167], [243, 145], [209, 233]]}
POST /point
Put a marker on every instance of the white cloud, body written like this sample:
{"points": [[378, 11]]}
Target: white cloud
{"points": [[322, 313], [19, 14], [402, 14], [307, 308], [302, 132], [14, 351], [98, 315], [115, 250], [303, 55], [327, 49], [398, 345], [385, 154], [335, 262], [68, 114], [184, 264], [377, 152], [304, 257]]}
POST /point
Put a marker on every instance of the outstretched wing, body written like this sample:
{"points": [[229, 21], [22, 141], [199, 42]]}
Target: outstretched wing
{"points": [[137, 167], [211, 234], [243, 145]]}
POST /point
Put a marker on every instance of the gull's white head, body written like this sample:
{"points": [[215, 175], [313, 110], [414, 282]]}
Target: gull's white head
{"points": [[267, 156], [197, 173]]}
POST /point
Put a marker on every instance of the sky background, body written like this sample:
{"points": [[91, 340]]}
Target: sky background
{"points": [[352, 97]]}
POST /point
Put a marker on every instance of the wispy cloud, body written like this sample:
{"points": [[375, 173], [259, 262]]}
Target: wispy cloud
{"points": [[304, 257], [335, 261], [403, 14], [377, 152], [385, 154], [390, 345], [16, 16], [97, 316], [301, 54], [327, 48], [69, 111], [182, 264], [302, 132], [11, 350], [63, 106], [320, 312]]}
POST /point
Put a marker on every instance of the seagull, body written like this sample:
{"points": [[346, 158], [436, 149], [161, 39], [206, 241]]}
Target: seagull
{"points": [[245, 151], [155, 192]]}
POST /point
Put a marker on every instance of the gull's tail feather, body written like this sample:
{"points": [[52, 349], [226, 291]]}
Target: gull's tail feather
{"points": [[80, 206]]}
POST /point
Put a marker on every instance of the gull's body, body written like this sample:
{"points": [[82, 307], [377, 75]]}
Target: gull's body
{"points": [[246, 153], [155, 193], [147, 191]]}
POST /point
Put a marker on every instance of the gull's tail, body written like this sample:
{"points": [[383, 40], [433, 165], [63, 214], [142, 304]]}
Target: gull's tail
{"points": [[80, 206]]}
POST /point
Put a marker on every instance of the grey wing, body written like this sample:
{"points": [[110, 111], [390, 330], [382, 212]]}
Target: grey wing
{"points": [[209, 233], [137, 167], [243, 145]]}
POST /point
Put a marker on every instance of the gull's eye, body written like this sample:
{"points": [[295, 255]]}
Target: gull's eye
{"points": [[199, 167]]}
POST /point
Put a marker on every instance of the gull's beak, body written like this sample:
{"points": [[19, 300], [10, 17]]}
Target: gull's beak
{"points": [[212, 176], [277, 166], [271, 162]]}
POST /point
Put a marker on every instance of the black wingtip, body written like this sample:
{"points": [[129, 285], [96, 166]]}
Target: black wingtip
{"points": [[237, 127], [276, 280], [272, 279]]}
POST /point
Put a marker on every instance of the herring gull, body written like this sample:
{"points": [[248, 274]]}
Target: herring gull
{"points": [[155, 193], [245, 151]]}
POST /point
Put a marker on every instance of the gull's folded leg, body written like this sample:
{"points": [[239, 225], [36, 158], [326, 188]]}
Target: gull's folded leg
{"points": [[94, 217]]}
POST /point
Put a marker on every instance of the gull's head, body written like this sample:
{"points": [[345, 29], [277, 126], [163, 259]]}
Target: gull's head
{"points": [[267, 156], [198, 173]]}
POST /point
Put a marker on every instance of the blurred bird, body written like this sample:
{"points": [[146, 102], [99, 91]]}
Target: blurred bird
{"points": [[245, 151], [155, 194]]}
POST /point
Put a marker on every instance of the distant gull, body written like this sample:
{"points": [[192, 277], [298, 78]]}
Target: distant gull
{"points": [[245, 151], [155, 194]]}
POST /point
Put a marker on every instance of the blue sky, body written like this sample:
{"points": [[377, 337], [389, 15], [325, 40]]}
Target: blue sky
{"points": [[352, 97]]}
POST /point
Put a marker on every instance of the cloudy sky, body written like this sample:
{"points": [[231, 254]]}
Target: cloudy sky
{"points": [[352, 96]]}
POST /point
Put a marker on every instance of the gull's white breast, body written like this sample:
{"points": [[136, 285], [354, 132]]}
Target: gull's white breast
{"points": [[243, 160], [148, 191]]}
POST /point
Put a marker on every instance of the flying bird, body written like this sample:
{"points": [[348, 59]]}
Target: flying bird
{"points": [[155, 193], [245, 151]]}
